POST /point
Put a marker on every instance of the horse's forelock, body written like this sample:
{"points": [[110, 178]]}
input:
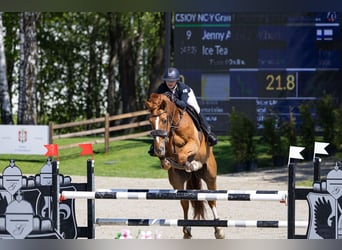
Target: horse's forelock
{"points": [[157, 101]]}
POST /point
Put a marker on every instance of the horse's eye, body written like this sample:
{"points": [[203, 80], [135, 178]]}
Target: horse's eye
{"points": [[164, 121]]}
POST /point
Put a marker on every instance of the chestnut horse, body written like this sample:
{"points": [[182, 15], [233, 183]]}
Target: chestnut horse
{"points": [[183, 151]]}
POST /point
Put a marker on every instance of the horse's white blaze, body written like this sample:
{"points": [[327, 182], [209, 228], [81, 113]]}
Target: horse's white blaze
{"points": [[157, 127]]}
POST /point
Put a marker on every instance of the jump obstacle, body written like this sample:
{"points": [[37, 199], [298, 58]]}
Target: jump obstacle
{"points": [[166, 194], [59, 195], [289, 197], [197, 223]]}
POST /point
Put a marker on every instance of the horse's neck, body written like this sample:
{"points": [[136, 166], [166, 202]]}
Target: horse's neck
{"points": [[182, 120], [176, 114]]}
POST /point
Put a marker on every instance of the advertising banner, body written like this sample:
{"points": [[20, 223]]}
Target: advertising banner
{"points": [[23, 139]]}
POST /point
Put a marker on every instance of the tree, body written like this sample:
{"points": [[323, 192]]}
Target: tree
{"points": [[325, 107], [112, 93], [78, 65], [27, 112], [6, 111], [307, 129]]}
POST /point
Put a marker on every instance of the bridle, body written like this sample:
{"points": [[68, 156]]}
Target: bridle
{"points": [[164, 133], [159, 132], [173, 126]]}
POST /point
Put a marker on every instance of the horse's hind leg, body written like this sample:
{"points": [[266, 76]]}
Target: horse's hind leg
{"points": [[186, 229], [219, 233], [177, 179], [210, 180]]}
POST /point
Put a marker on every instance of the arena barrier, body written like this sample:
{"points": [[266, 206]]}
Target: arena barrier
{"points": [[166, 194], [53, 188], [196, 223]]}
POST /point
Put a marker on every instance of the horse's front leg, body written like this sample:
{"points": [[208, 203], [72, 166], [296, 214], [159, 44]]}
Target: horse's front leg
{"points": [[186, 157]]}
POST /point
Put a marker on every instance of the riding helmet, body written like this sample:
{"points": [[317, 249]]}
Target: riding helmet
{"points": [[171, 74]]}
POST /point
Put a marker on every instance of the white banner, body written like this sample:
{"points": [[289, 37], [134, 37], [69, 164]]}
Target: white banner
{"points": [[23, 139]]}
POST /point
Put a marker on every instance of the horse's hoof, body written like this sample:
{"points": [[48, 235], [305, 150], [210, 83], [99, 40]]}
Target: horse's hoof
{"points": [[187, 232], [219, 233], [165, 164]]}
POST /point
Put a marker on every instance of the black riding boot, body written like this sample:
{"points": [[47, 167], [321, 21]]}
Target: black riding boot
{"points": [[211, 137]]}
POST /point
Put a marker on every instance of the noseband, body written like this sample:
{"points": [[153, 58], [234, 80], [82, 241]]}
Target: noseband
{"points": [[159, 132]]}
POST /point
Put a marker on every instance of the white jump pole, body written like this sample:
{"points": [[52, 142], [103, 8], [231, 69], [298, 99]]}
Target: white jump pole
{"points": [[232, 195], [198, 223]]}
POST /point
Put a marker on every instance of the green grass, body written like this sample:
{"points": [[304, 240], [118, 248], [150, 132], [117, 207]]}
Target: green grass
{"points": [[306, 183], [126, 158]]}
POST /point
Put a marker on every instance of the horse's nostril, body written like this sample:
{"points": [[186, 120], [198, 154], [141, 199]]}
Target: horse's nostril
{"points": [[160, 151]]}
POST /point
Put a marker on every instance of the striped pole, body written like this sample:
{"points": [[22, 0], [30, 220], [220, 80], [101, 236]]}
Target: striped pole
{"points": [[196, 223], [166, 194]]}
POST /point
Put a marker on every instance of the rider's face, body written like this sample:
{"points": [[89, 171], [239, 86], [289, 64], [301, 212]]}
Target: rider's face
{"points": [[171, 85]]}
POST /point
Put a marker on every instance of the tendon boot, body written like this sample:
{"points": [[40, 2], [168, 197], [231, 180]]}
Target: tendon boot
{"points": [[151, 151], [211, 137]]}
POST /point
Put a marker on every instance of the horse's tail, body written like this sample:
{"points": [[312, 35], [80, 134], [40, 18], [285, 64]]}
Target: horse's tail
{"points": [[195, 183]]}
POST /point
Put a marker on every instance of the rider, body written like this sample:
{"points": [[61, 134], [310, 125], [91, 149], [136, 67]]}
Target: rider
{"points": [[183, 95]]}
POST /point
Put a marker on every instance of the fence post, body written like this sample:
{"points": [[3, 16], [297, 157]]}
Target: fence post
{"points": [[90, 203], [317, 170], [291, 201], [50, 132], [107, 133]]}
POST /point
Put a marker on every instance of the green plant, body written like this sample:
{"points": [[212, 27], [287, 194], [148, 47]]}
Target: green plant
{"points": [[288, 129], [338, 129], [272, 137], [307, 129], [326, 118], [242, 131]]}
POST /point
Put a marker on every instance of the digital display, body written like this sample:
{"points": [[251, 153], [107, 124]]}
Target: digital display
{"points": [[258, 61]]}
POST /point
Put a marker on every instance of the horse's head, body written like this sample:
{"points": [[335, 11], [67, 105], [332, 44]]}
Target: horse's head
{"points": [[158, 105]]}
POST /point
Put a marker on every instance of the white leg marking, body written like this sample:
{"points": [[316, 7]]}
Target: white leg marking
{"points": [[215, 213]]}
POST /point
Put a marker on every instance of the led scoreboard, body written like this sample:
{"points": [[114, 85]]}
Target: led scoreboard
{"points": [[259, 63]]}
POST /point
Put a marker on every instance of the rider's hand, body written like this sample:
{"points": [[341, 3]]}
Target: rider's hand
{"points": [[169, 95]]}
